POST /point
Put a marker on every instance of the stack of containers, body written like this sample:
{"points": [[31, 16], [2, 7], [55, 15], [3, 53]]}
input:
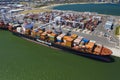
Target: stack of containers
{"points": [[43, 36], [64, 41], [77, 41], [98, 49], [39, 33], [48, 34], [52, 37], [34, 33], [10, 26], [27, 31], [19, 29], [68, 41], [83, 42], [64, 38], [90, 45], [60, 38]]}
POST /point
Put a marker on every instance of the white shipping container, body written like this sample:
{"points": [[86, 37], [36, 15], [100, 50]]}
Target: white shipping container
{"points": [[60, 36], [19, 29]]}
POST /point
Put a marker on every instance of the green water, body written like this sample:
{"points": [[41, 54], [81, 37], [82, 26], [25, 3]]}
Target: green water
{"points": [[24, 60], [107, 8]]}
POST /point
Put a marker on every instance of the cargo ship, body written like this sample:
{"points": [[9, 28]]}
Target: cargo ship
{"points": [[73, 43]]}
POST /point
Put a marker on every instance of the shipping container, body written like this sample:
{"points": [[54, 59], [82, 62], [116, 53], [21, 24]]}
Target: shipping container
{"points": [[52, 37], [64, 38], [90, 47], [43, 36], [98, 49], [28, 32], [60, 38], [69, 41], [74, 36], [19, 29], [77, 40], [33, 33], [85, 40], [38, 33]]}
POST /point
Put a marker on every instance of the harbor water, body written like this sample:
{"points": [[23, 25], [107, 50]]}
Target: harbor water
{"points": [[24, 60], [108, 8]]}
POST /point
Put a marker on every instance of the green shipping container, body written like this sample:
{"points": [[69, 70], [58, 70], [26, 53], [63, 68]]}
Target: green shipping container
{"points": [[52, 38]]}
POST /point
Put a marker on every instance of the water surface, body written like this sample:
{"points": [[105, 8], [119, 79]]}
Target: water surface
{"points": [[110, 9], [24, 60]]}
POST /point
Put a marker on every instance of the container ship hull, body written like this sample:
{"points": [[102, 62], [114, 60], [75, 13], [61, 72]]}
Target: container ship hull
{"points": [[73, 43]]}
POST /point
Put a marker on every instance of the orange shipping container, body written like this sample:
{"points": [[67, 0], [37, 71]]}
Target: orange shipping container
{"points": [[33, 33], [97, 49], [69, 41], [43, 35], [65, 38], [52, 34], [74, 36], [90, 45]]}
